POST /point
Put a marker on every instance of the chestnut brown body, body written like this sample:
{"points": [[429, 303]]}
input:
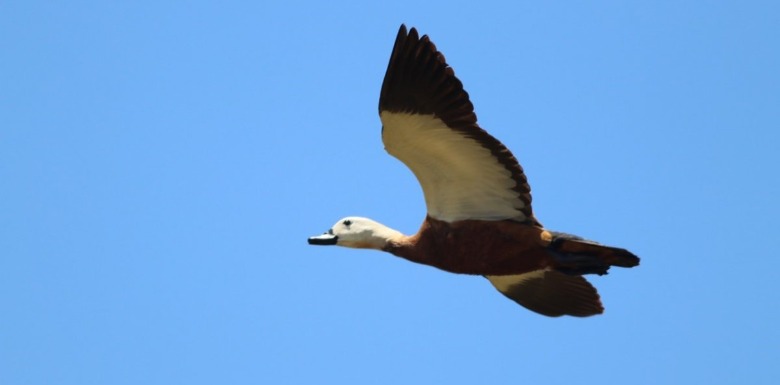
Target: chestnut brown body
{"points": [[477, 247]]}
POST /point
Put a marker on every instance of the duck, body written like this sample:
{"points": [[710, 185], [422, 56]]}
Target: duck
{"points": [[479, 219]]}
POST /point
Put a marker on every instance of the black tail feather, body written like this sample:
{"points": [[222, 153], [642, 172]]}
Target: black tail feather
{"points": [[578, 256]]}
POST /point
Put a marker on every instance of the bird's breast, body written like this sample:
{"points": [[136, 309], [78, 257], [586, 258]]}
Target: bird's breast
{"points": [[479, 247]]}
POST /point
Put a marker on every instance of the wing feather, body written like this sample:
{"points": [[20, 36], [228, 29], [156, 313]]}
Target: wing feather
{"points": [[550, 293], [429, 124]]}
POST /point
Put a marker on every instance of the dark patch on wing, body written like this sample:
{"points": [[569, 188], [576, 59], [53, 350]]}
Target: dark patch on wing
{"points": [[555, 294]]}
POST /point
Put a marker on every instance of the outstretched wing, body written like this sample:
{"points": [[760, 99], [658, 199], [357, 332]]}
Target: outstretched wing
{"points": [[550, 293], [429, 124]]}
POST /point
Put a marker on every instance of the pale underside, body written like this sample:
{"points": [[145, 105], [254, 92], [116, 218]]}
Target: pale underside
{"points": [[460, 178]]}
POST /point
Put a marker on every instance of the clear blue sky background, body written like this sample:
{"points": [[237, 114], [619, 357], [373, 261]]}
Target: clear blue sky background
{"points": [[162, 164]]}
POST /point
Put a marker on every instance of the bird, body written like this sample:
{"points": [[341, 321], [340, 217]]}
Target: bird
{"points": [[479, 219]]}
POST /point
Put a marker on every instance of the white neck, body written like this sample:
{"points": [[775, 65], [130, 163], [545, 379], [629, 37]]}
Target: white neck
{"points": [[364, 233], [383, 235]]}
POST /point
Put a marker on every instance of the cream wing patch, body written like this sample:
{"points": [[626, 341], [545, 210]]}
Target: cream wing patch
{"points": [[504, 283], [460, 178]]}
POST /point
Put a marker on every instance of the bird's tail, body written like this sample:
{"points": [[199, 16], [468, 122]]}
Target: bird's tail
{"points": [[577, 256]]}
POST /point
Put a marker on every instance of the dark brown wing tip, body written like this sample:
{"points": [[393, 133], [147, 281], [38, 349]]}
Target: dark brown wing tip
{"points": [[418, 80], [402, 33]]}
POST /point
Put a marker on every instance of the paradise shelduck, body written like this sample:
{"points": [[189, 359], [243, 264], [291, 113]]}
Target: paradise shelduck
{"points": [[479, 218]]}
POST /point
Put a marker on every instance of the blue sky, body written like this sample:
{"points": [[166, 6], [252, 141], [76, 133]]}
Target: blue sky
{"points": [[161, 166]]}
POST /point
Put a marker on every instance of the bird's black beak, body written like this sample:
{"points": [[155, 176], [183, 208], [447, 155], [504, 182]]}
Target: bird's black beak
{"points": [[325, 239]]}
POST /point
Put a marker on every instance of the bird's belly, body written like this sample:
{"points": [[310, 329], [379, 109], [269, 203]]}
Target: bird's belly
{"points": [[495, 248]]}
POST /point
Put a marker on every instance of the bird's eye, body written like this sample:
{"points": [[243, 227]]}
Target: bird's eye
{"points": [[347, 222]]}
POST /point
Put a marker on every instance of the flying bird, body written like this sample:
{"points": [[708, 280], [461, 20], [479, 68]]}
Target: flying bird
{"points": [[479, 218]]}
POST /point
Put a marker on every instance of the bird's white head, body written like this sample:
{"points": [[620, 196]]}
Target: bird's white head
{"points": [[357, 232]]}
